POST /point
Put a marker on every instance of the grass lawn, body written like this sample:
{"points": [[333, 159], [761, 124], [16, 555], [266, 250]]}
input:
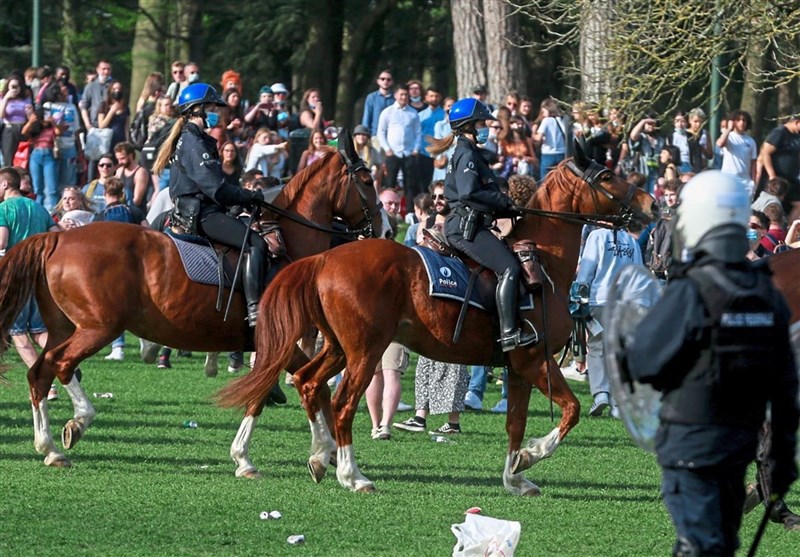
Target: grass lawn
{"points": [[143, 485]]}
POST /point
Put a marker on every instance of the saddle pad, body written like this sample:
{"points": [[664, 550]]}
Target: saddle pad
{"points": [[200, 262], [448, 278]]}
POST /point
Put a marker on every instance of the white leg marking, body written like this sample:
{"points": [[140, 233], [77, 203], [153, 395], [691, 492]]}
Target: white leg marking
{"points": [[516, 483], [347, 471], [543, 447], [84, 411], [322, 442], [42, 439], [240, 448]]}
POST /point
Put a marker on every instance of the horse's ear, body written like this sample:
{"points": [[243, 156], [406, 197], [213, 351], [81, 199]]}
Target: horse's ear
{"points": [[346, 144], [579, 156]]}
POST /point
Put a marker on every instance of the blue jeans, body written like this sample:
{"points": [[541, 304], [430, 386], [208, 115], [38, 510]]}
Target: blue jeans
{"points": [[44, 175], [504, 388], [477, 380], [29, 320], [67, 168], [548, 162], [119, 342]]}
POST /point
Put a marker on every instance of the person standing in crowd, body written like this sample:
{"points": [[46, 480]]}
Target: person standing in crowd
{"points": [[43, 130], [21, 218], [370, 155], [62, 75], [680, 139], [95, 190], [645, 146], [780, 157], [178, 81], [400, 136], [551, 135], [429, 117], [16, 97], [92, 101], [115, 113], [700, 149], [475, 200], [659, 252], [135, 178], [375, 102], [739, 150], [65, 114], [415, 99], [383, 393], [605, 253], [718, 320], [311, 110], [201, 192]]}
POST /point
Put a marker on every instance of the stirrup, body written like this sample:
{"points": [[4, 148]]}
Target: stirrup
{"points": [[518, 337], [252, 317]]}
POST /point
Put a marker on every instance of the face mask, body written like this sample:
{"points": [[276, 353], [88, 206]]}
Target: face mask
{"points": [[193, 77], [482, 135], [752, 235], [102, 79], [212, 119], [116, 95], [416, 99]]}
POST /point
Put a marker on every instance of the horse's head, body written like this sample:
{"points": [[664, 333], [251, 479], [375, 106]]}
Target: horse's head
{"points": [[607, 193], [360, 209]]}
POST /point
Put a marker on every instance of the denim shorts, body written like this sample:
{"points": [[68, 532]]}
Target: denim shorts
{"points": [[29, 320]]}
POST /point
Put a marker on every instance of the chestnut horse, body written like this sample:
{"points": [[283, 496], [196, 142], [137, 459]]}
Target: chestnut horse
{"points": [[784, 268], [365, 294], [93, 283]]}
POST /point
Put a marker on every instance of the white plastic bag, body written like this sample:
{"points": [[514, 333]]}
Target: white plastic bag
{"points": [[484, 536]]}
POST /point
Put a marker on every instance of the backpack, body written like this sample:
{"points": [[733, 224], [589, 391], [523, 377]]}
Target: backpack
{"points": [[138, 129]]}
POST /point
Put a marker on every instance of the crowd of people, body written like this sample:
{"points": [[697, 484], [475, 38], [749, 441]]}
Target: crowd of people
{"points": [[80, 156]]}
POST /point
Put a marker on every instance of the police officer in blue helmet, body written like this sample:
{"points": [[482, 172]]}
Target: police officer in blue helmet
{"points": [[476, 200], [202, 193], [717, 346]]}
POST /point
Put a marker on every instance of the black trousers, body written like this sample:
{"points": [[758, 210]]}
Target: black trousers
{"points": [[228, 230], [410, 182], [486, 248]]}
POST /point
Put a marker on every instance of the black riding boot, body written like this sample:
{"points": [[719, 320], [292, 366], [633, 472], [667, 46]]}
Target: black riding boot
{"points": [[511, 336], [253, 282]]}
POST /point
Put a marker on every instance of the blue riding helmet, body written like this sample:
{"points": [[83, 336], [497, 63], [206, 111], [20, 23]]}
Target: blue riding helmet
{"points": [[198, 94], [468, 110]]}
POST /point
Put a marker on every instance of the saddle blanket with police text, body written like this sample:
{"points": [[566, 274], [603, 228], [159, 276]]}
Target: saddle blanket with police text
{"points": [[448, 278], [201, 262]]}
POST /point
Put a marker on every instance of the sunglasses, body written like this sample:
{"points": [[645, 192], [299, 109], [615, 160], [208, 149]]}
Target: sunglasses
{"points": [[104, 165], [438, 197]]}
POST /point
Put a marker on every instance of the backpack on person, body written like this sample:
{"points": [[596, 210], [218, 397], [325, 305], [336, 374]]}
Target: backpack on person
{"points": [[138, 129]]}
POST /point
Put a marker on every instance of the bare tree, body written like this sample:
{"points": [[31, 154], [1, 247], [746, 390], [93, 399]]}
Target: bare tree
{"points": [[504, 66], [656, 50], [468, 46]]}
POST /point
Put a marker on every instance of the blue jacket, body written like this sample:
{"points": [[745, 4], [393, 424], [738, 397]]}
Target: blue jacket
{"points": [[373, 106]]}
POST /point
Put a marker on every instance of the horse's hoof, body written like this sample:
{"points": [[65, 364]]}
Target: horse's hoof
{"points": [[522, 462], [149, 351], [211, 366], [70, 435], [533, 492], [316, 469], [59, 461], [369, 488], [252, 475]]}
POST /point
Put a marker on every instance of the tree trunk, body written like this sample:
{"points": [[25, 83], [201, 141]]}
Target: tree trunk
{"points": [[69, 30], [755, 66], [355, 41], [468, 45], [503, 59], [594, 57], [147, 49], [324, 51]]}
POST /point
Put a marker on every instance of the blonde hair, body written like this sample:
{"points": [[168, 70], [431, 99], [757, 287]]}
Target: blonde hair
{"points": [[438, 146], [168, 148], [86, 203]]}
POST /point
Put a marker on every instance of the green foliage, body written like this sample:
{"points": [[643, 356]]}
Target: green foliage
{"points": [[143, 485]]}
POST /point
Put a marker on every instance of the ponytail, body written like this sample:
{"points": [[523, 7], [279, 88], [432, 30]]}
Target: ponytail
{"points": [[168, 147], [439, 146]]}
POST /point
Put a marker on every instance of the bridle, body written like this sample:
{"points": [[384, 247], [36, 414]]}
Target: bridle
{"points": [[593, 176], [365, 227]]}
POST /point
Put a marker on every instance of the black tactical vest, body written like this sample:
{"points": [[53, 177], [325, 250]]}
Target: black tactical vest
{"points": [[728, 383]]}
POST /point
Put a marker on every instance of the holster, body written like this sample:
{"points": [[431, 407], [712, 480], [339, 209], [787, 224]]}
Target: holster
{"points": [[471, 220], [525, 250], [185, 215], [271, 233]]}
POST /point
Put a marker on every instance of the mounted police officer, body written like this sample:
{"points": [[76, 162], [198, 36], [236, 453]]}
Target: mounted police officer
{"points": [[717, 346], [201, 192], [475, 198]]}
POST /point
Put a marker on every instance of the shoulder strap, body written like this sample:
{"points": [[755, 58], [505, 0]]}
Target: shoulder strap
{"points": [[91, 188], [715, 289]]}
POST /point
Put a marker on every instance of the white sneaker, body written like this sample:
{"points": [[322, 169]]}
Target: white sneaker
{"points": [[403, 407], [614, 412], [570, 372], [117, 355], [601, 402], [472, 401], [501, 407]]}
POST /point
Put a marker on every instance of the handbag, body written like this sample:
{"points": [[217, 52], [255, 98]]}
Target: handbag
{"points": [[22, 154], [98, 143]]}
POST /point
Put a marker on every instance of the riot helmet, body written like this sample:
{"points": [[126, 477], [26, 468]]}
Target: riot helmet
{"points": [[465, 112], [713, 215]]}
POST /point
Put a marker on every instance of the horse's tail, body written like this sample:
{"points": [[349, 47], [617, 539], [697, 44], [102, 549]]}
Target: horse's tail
{"points": [[20, 270], [288, 309]]}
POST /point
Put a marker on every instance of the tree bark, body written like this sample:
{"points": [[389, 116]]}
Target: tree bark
{"points": [[355, 41], [755, 65], [594, 57], [147, 50], [69, 29], [324, 51], [504, 66], [468, 45]]}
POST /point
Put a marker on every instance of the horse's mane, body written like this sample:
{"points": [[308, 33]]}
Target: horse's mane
{"points": [[307, 176]]}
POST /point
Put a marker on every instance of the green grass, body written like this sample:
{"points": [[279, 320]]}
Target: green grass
{"points": [[143, 485]]}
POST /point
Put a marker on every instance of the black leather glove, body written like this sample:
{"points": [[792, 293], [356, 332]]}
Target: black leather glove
{"points": [[256, 198]]}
